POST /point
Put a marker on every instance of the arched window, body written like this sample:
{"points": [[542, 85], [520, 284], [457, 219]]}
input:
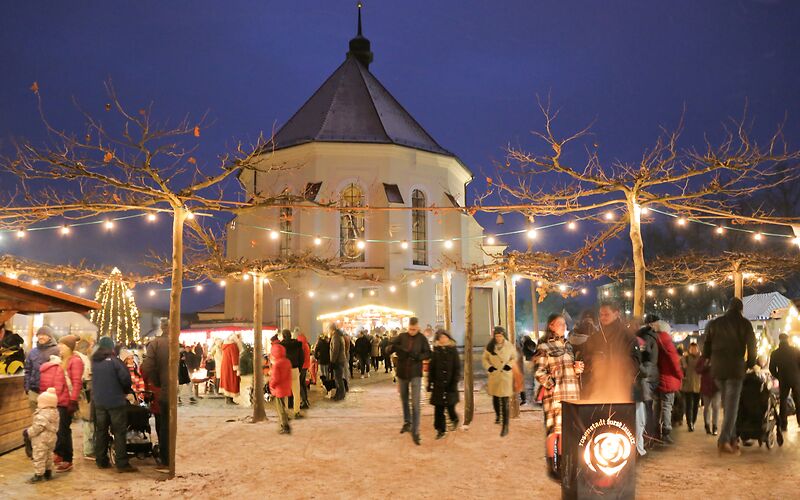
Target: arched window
{"points": [[419, 229], [351, 223], [284, 314]]}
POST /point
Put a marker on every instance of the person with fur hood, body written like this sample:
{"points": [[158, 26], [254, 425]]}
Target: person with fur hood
{"points": [[444, 372], [670, 377], [497, 359], [42, 434], [280, 384], [64, 374], [39, 355]]}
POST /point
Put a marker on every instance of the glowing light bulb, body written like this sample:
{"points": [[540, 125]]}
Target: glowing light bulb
{"points": [[584, 291], [531, 234], [361, 244], [392, 288], [190, 215], [151, 217], [720, 230], [34, 281], [448, 244], [681, 221], [413, 283], [81, 291], [21, 233], [712, 284], [572, 225], [609, 215], [404, 245], [628, 293], [539, 283], [650, 293], [760, 280], [757, 236], [691, 288], [317, 241], [59, 286], [645, 210], [351, 295], [311, 294], [13, 276], [65, 229], [245, 277], [671, 291], [199, 288], [562, 288], [222, 283], [274, 235], [372, 293], [490, 240], [152, 293], [606, 293], [515, 278]]}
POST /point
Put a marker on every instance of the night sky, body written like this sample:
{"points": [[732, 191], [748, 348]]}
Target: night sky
{"points": [[468, 71]]}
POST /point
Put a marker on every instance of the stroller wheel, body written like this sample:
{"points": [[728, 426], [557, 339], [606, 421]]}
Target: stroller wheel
{"points": [[771, 440], [112, 457]]}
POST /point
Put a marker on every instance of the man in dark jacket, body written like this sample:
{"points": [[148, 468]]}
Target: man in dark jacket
{"points": [[39, 355], [411, 349], [322, 353], [647, 379], [156, 368], [111, 382], [728, 338], [294, 353], [784, 364], [611, 358], [363, 348], [387, 358], [338, 360]]}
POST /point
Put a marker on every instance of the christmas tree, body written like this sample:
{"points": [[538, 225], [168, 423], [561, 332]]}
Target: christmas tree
{"points": [[118, 316]]}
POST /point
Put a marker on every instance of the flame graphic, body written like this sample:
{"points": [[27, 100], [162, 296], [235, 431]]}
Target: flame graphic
{"points": [[607, 452]]}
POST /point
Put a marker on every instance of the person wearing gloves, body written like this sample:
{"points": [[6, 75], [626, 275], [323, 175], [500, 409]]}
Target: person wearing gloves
{"points": [[42, 434], [497, 360], [111, 384], [64, 374], [39, 355]]}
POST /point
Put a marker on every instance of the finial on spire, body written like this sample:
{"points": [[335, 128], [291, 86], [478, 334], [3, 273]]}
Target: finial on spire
{"points": [[360, 46]]}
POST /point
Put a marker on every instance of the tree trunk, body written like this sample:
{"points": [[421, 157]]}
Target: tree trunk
{"points": [[447, 299], [511, 320], [639, 269], [469, 399], [535, 311], [258, 350], [738, 280], [178, 218]]}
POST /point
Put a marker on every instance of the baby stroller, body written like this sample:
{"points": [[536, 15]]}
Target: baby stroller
{"points": [[758, 413], [139, 442]]}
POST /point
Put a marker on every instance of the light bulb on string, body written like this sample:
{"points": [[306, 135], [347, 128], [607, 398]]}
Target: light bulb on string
{"points": [[757, 236], [720, 230], [628, 293], [413, 283], [609, 215], [490, 240], [20, 233], [562, 288], [584, 291], [671, 291], [311, 294], [199, 288], [572, 225], [351, 295], [34, 281], [712, 284], [222, 283], [81, 290], [151, 217], [59, 286], [649, 293], [372, 293], [644, 211], [531, 234], [361, 244], [691, 288], [65, 230], [189, 215], [245, 277], [109, 225], [274, 235], [681, 221], [448, 244], [404, 245], [317, 241], [152, 293]]}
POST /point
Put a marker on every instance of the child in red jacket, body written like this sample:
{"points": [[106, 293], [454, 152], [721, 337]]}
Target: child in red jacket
{"points": [[280, 383], [670, 377]]}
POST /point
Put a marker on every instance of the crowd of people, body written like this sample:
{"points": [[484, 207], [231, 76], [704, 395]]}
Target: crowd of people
{"points": [[601, 359]]}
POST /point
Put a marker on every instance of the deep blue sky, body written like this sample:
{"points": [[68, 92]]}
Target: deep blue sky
{"points": [[468, 71]]}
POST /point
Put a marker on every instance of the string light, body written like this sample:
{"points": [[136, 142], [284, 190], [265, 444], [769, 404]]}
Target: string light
{"points": [[720, 230], [562, 288], [274, 235], [757, 236], [199, 288], [65, 230], [118, 316], [152, 293], [490, 240], [189, 215], [584, 291], [361, 244], [34, 281], [644, 210], [317, 241], [681, 221], [21, 233], [392, 288], [712, 284], [628, 293], [246, 277], [531, 234], [222, 283], [81, 290], [515, 278], [372, 293], [691, 288], [609, 215], [606, 293], [670, 291], [351, 295], [413, 284], [448, 244], [151, 217], [59, 286], [311, 294], [109, 225], [538, 283], [650, 293], [760, 280], [572, 225]]}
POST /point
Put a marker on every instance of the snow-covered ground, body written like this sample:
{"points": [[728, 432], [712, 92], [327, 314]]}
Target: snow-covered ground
{"points": [[353, 449]]}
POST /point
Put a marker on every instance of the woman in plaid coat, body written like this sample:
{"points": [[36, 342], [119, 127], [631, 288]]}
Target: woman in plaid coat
{"points": [[557, 371]]}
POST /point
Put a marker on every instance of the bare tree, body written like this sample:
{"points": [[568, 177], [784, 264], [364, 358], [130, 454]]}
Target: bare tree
{"points": [[701, 182]]}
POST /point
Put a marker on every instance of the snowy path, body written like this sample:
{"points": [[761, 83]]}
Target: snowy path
{"points": [[353, 450]]}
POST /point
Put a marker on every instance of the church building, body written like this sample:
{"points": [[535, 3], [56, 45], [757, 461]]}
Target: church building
{"points": [[353, 145]]}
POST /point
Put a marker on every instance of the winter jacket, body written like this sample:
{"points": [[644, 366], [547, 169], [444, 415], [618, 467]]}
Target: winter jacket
{"points": [[42, 434], [322, 351], [670, 374], [306, 351], [707, 385], [691, 379], [280, 375], [38, 356], [294, 352], [411, 351], [363, 346], [216, 353], [156, 364], [376, 347], [611, 356], [384, 346], [528, 348], [728, 339], [648, 366], [111, 380], [444, 372], [183, 369], [53, 376], [784, 364], [497, 361], [555, 371], [338, 348]]}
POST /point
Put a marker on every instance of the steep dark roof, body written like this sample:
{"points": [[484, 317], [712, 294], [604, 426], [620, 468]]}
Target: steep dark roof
{"points": [[353, 106]]}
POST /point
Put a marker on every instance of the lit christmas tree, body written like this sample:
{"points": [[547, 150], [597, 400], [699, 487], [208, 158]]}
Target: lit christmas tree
{"points": [[118, 316]]}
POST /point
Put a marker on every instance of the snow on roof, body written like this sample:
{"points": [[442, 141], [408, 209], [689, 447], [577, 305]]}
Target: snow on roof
{"points": [[762, 305]]}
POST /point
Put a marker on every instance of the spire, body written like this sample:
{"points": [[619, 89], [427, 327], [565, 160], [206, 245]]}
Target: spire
{"points": [[360, 46]]}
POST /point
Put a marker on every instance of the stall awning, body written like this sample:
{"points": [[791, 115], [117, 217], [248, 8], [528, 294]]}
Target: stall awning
{"points": [[367, 311], [24, 298]]}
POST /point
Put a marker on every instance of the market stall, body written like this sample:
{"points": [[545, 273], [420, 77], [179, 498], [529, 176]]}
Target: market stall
{"points": [[367, 317], [20, 297]]}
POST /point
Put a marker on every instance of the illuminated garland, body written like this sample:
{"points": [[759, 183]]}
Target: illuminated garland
{"points": [[118, 316]]}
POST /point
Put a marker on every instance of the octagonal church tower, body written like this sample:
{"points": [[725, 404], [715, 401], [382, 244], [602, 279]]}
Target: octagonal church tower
{"points": [[353, 145]]}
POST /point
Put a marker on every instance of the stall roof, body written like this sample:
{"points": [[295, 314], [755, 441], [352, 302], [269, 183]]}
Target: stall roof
{"points": [[369, 309], [25, 298], [761, 306]]}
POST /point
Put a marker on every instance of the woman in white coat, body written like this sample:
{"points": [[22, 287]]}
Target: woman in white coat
{"points": [[497, 361], [216, 354]]}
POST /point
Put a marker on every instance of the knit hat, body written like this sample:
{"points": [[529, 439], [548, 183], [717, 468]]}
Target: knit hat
{"points": [[661, 326], [46, 330], [48, 399], [125, 354], [69, 340], [105, 343]]}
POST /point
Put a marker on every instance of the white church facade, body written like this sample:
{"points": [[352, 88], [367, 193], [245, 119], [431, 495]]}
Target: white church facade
{"points": [[352, 145]]}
